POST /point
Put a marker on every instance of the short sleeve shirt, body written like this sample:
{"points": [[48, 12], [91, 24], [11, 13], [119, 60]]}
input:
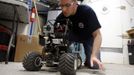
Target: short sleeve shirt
{"points": [[84, 23]]}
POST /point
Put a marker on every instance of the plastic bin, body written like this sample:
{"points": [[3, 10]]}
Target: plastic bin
{"points": [[131, 51]]}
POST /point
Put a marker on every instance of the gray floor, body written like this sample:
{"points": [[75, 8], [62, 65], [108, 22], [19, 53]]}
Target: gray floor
{"points": [[110, 69]]}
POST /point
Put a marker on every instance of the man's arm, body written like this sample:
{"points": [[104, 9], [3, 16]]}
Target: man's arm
{"points": [[97, 42], [96, 47]]}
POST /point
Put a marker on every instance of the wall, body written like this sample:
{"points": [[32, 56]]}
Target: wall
{"points": [[110, 21], [115, 19]]}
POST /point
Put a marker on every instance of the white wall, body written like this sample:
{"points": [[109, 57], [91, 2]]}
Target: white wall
{"points": [[110, 21], [115, 21]]}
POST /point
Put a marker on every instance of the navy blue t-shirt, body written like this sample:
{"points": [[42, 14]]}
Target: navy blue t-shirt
{"points": [[84, 23]]}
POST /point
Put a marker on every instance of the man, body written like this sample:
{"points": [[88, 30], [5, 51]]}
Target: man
{"points": [[85, 28]]}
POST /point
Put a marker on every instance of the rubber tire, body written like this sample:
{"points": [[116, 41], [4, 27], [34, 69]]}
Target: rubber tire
{"points": [[66, 64], [80, 61], [30, 63]]}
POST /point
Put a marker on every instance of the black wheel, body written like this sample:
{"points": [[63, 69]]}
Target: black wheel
{"points": [[68, 64], [32, 61], [79, 61]]}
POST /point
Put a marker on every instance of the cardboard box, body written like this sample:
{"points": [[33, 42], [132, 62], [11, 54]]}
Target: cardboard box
{"points": [[131, 33], [24, 45]]}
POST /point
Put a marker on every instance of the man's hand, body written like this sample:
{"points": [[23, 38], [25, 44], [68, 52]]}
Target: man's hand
{"points": [[96, 47], [97, 61]]}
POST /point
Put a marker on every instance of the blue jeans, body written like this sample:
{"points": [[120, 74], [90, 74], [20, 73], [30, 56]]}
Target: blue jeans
{"points": [[87, 44]]}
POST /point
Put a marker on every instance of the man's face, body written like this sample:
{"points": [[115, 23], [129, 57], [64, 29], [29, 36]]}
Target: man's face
{"points": [[67, 7]]}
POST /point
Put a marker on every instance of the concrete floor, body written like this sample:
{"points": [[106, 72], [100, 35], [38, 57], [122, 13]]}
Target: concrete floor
{"points": [[14, 68]]}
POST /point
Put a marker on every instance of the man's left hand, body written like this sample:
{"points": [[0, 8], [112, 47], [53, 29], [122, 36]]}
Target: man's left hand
{"points": [[95, 60]]}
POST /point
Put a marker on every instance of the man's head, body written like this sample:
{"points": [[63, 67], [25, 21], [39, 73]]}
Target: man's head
{"points": [[68, 7]]}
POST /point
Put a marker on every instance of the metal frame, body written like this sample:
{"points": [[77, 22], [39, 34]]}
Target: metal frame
{"points": [[14, 30]]}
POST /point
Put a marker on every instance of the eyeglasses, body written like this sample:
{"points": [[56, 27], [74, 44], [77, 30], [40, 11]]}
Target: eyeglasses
{"points": [[66, 5]]}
